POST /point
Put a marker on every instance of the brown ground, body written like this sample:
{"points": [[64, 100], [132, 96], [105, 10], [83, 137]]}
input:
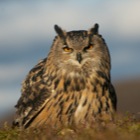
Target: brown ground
{"points": [[128, 93]]}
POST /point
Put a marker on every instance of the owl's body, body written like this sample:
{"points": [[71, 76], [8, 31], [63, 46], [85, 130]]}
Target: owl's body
{"points": [[71, 86]]}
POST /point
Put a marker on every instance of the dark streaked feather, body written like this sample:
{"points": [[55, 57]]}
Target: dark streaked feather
{"points": [[33, 96]]}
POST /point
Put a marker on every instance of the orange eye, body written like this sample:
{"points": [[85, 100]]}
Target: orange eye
{"points": [[88, 47], [67, 49]]}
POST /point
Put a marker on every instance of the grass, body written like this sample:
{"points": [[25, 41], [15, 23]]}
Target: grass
{"points": [[124, 127]]}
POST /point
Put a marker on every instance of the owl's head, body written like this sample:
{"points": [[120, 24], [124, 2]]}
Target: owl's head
{"points": [[84, 49]]}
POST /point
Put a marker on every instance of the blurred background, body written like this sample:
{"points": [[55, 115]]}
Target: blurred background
{"points": [[26, 34]]}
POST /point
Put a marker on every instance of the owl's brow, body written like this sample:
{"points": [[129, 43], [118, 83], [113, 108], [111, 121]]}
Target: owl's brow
{"points": [[75, 34], [65, 42], [63, 38], [90, 39]]}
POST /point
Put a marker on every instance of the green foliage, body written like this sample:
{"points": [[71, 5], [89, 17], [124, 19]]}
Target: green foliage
{"points": [[122, 128], [7, 133]]}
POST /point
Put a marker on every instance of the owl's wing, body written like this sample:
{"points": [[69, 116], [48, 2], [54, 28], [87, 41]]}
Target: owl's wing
{"points": [[35, 94], [113, 96]]}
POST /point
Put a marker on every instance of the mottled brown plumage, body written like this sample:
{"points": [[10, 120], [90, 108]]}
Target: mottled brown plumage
{"points": [[71, 86]]}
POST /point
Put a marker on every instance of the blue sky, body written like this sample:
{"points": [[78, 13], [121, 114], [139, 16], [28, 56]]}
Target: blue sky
{"points": [[26, 34]]}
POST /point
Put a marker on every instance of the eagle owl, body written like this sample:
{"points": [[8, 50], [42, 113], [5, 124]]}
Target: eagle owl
{"points": [[71, 86]]}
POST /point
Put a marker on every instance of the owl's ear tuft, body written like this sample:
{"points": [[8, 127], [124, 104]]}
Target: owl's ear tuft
{"points": [[94, 30], [59, 31]]}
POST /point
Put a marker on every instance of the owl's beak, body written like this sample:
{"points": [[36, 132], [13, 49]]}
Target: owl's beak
{"points": [[79, 57]]}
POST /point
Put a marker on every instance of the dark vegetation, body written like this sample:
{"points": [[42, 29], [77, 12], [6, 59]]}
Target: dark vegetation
{"points": [[124, 127]]}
